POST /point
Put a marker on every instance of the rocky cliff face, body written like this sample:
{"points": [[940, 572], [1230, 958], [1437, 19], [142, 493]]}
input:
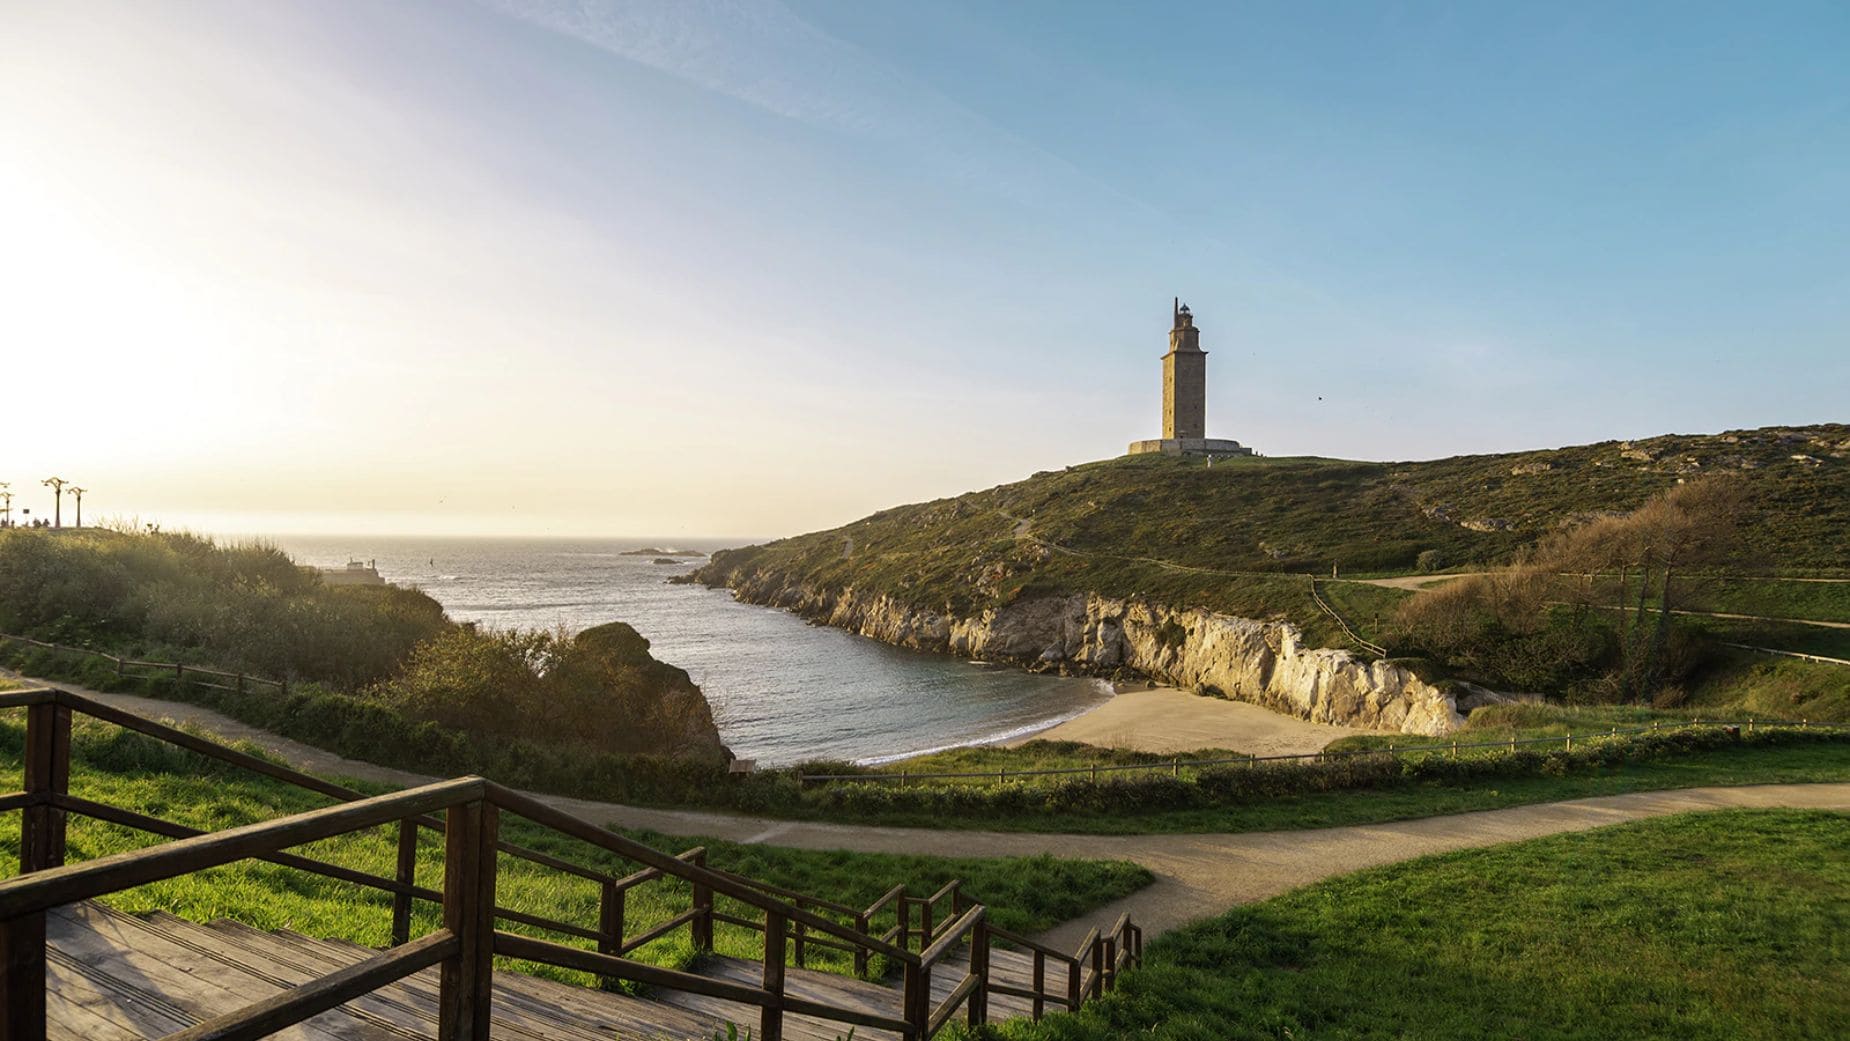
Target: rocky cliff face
{"points": [[1262, 662], [652, 705]]}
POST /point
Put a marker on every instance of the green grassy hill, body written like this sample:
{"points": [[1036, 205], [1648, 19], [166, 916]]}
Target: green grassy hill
{"points": [[1701, 926], [1232, 536]]}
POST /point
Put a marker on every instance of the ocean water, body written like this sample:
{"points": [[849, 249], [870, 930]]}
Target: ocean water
{"points": [[782, 690]]}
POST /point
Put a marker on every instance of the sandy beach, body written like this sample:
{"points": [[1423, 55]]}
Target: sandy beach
{"points": [[1165, 719]]}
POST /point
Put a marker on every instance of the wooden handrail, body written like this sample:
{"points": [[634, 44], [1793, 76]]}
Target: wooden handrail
{"points": [[895, 893], [558, 820], [43, 890], [784, 891], [28, 697], [256, 764], [951, 935]]}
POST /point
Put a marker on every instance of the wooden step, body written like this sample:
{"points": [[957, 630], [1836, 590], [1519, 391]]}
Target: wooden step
{"points": [[138, 969], [122, 977], [115, 976], [599, 1012], [844, 991]]}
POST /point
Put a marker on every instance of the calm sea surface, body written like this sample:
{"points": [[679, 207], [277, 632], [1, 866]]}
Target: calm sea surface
{"points": [[782, 690]]}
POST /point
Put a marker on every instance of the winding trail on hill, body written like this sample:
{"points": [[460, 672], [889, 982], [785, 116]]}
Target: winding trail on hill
{"points": [[1196, 875]]}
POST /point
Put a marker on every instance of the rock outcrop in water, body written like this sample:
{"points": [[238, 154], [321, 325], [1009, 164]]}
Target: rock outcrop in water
{"points": [[1264, 662]]}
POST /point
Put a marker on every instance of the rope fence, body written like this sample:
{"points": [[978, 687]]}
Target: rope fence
{"points": [[1343, 623]]}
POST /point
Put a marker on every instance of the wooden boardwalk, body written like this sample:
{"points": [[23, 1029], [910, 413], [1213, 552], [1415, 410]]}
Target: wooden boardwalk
{"points": [[71, 967], [123, 977]]}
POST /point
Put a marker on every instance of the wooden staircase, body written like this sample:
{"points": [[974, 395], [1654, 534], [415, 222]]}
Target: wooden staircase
{"points": [[71, 967], [115, 976]]}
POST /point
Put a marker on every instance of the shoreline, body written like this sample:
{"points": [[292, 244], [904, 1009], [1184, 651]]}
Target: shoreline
{"points": [[1166, 720]]}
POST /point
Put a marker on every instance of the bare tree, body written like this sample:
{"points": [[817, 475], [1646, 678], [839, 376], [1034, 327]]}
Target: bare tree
{"points": [[1648, 553], [56, 484]]}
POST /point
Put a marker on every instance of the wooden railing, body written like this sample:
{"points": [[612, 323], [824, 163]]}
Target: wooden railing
{"points": [[241, 682], [467, 812], [1343, 623]]}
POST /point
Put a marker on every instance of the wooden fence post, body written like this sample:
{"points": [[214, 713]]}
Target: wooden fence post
{"points": [[1098, 966], [979, 967], [1073, 997], [771, 1019], [41, 846], [861, 925], [407, 876], [466, 980], [47, 772], [917, 1000], [700, 930], [798, 935], [1039, 986]]}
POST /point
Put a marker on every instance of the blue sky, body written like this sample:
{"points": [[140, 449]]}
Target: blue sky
{"points": [[750, 267]]}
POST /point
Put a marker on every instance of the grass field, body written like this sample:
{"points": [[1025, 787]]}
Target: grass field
{"points": [[1719, 926], [1402, 800], [137, 773], [1770, 598]]}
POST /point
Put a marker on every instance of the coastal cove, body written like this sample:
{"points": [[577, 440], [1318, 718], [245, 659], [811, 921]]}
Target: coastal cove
{"points": [[782, 690]]}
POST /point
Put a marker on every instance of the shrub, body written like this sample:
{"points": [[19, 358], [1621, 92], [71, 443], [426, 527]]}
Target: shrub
{"points": [[244, 607], [599, 689], [1429, 561]]}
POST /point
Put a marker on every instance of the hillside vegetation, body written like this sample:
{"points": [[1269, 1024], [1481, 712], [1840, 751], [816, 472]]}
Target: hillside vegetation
{"points": [[1229, 536], [246, 607], [1244, 537], [381, 659]]}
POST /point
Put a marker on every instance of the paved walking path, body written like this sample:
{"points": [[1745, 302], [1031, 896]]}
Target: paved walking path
{"points": [[1196, 875]]}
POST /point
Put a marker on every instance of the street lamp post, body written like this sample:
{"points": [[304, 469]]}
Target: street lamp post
{"points": [[6, 505], [78, 493], [56, 484]]}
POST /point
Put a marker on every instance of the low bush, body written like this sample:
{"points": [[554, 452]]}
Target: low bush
{"points": [[242, 607]]}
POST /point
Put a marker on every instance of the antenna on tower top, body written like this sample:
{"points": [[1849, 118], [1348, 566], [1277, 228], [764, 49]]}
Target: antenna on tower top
{"points": [[1176, 310]]}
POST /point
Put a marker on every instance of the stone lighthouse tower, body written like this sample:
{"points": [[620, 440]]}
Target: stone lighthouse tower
{"points": [[1185, 395], [1185, 380]]}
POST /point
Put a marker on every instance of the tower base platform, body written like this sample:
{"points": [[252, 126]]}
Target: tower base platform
{"points": [[1189, 446]]}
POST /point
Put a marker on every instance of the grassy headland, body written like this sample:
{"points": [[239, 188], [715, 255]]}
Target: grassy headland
{"points": [[1230, 537], [1152, 537]]}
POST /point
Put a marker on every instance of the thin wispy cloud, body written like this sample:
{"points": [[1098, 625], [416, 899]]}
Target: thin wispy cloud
{"points": [[761, 53]]}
